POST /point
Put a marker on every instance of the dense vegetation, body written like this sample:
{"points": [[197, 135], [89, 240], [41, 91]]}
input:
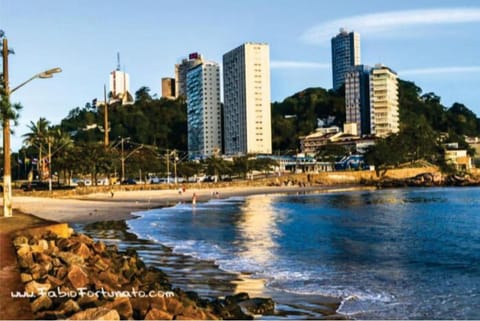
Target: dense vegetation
{"points": [[154, 134]]}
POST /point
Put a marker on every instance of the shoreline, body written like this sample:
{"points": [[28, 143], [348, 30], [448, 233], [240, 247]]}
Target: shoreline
{"points": [[102, 207]]}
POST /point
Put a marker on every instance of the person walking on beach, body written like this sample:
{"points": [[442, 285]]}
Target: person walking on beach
{"points": [[194, 199]]}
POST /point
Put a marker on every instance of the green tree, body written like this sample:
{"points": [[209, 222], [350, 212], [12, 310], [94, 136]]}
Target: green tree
{"points": [[38, 138]]}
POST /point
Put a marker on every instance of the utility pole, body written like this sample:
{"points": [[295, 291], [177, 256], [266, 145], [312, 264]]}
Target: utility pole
{"points": [[7, 169], [123, 164], [168, 167], [105, 115], [49, 164], [175, 164]]}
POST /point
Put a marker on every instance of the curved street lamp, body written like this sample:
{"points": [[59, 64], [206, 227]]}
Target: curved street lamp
{"points": [[7, 172]]}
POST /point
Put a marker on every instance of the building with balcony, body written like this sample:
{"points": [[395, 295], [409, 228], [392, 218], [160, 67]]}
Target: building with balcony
{"points": [[345, 54], [246, 90], [204, 110], [384, 118]]}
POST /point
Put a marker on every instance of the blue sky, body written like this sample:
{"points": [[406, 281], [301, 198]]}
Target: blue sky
{"points": [[433, 43]]}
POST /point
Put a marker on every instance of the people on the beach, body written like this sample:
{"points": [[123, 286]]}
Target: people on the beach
{"points": [[194, 199]]}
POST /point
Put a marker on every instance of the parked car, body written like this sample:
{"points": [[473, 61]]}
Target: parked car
{"points": [[154, 180], [129, 181], [34, 186]]}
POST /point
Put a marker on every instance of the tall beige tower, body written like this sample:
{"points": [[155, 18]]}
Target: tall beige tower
{"points": [[246, 90], [384, 101], [181, 70]]}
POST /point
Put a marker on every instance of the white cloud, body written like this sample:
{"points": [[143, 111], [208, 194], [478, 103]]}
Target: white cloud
{"points": [[285, 64], [440, 70], [386, 22]]}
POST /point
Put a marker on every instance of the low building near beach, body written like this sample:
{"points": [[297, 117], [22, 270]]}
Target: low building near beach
{"points": [[458, 158]]}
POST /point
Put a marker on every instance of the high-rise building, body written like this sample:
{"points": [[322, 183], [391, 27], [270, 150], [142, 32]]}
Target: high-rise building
{"points": [[345, 54], [383, 101], [204, 110], [357, 98], [120, 84], [181, 69], [246, 91], [168, 88]]}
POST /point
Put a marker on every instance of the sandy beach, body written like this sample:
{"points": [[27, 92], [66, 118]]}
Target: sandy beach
{"points": [[104, 207]]}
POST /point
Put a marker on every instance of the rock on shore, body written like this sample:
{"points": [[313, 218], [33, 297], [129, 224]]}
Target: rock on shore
{"points": [[70, 276]]}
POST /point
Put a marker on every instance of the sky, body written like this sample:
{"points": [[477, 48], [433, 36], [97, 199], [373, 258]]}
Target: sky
{"points": [[434, 43]]}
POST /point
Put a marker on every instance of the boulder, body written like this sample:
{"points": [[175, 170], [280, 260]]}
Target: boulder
{"points": [[55, 282], [102, 264], [38, 271], [36, 287], [70, 258], [20, 240], [258, 306], [69, 307], [25, 277], [61, 272], [174, 306], [23, 249], [96, 314], [82, 250], [98, 247], [140, 307], [123, 307], [41, 303], [40, 247], [77, 277], [25, 260], [156, 314], [159, 303]]}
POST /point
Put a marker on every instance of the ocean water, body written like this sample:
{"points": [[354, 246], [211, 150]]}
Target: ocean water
{"points": [[387, 254]]}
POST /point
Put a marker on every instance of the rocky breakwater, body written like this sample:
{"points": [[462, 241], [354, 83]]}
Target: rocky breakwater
{"points": [[70, 276]]}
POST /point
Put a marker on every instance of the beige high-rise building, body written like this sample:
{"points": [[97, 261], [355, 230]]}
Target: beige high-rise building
{"points": [[181, 70], [168, 88], [383, 101], [246, 90]]}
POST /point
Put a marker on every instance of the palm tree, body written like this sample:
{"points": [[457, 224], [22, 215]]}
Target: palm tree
{"points": [[38, 137]]}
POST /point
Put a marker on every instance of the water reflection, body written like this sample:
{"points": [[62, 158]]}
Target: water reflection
{"points": [[257, 230]]}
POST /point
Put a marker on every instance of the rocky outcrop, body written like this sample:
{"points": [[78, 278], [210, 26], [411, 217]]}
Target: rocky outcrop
{"points": [[70, 276]]}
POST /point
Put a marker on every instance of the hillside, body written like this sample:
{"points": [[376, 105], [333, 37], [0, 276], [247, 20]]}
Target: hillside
{"points": [[415, 107]]}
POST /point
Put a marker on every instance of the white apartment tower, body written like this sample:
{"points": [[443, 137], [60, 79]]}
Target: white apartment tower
{"points": [[383, 101], [204, 110], [119, 82], [246, 90]]}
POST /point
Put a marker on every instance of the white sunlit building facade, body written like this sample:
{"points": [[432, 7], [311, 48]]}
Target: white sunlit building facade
{"points": [[247, 109], [384, 116], [204, 110]]}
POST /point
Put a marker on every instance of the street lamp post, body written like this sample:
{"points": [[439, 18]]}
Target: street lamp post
{"points": [[7, 169]]}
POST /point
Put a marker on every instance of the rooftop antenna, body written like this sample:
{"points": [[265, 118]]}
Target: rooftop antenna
{"points": [[118, 61]]}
